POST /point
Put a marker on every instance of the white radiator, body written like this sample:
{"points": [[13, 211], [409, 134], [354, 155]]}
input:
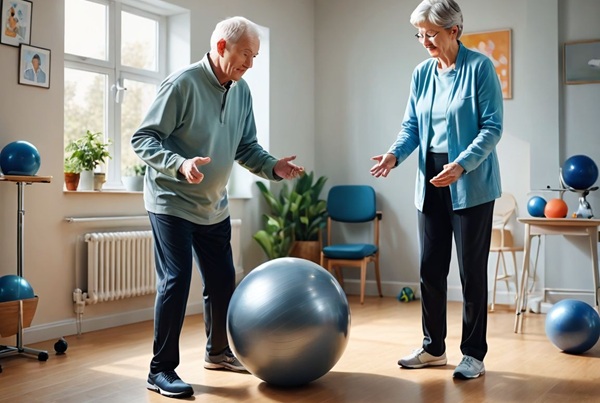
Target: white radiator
{"points": [[119, 265]]}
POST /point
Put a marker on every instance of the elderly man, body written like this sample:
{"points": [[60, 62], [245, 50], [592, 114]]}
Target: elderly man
{"points": [[199, 124]]}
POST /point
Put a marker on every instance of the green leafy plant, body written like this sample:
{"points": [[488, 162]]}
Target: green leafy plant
{"points": [[89, 150], [308, 213], [72, 165], [276, 237], [297, 214]]}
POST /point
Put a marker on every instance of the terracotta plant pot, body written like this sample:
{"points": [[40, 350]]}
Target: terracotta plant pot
{"points": [[71, 180]]}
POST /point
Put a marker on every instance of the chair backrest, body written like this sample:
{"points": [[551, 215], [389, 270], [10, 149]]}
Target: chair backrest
{"points": [[504, 208], [352, 203]]}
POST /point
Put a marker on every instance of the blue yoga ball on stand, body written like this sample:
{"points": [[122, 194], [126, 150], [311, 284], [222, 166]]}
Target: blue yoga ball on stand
{"points": [[288, 322], [20, 158], [579, 172], [573, 326], [14, 288]]}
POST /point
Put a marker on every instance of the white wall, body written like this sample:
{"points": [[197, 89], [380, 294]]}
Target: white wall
{"points": [[365, 54], [36, 115], [568, 263]]}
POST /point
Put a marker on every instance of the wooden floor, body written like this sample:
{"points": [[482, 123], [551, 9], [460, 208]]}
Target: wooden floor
{"points": [[112, 365]]}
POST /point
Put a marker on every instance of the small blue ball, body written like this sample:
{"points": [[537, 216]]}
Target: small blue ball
{"points": [[536, 206], [406, 295]]}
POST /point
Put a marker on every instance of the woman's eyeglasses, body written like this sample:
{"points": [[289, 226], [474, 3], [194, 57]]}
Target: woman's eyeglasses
{"points": [[429, 35]]}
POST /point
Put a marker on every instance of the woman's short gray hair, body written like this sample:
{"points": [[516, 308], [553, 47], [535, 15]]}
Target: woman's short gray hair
{"points": [[443, 13], [232, 29]]}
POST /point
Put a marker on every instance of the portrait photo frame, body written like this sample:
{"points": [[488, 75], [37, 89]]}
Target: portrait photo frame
{"points": [[34, 66], [16, 22], [581, 62], [497, 46]]}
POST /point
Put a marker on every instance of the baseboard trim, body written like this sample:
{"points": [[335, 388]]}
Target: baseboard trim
{"points": [[392, 289], [56, 330]]}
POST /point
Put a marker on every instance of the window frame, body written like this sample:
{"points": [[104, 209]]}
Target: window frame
{"points": [[116, 73]]}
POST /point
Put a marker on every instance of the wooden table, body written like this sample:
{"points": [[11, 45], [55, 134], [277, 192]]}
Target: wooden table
{"points": [[21, 181], [556, 226]]}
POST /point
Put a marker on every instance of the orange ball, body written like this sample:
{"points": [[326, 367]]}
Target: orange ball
{"points": [[556, 208]]}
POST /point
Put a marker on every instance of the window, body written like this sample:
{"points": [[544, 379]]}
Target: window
{"points": [[115, 58]]}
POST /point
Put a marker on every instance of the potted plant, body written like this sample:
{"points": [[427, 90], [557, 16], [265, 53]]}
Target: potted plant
{"points": [[298, 215], [133, 180], [89, 150], [72, 170], [276, 237]]}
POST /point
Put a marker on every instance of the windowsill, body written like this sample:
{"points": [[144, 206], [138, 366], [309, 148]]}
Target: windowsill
{"points": [[107, 191], [126, 192]]}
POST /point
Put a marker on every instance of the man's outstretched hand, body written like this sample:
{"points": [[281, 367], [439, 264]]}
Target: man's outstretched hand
{"points": [[190, 170], [286, 169]]}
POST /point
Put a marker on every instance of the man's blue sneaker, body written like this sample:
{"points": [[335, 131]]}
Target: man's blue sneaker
{"points": [[169, 384], [469, 368]]}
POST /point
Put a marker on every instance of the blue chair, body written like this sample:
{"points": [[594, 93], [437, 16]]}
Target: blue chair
{"points": [[352, 204]]}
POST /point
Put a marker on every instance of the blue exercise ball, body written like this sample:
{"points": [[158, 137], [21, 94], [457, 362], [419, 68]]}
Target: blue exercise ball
{"points": [[536, 206], [579, 172], [288, 322], [20, 158], [13, 288], [573, 326]]}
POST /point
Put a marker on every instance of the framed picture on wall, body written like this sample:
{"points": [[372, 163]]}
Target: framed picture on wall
{"points": [[34, 66], [581, 62], [497, 46], [16, 22]]}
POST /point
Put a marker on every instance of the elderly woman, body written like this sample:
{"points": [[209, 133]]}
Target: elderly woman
{"points": [[454, 117]]}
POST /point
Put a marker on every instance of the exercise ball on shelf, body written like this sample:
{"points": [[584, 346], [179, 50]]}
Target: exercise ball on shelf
{"points": [[556, 208], [579, 172], [20, 158], [535, 206]]}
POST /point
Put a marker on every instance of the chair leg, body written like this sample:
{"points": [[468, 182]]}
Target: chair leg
{"points": [[505, 276], [514, 256], [363, 281], [378, 278], [495, 281]]}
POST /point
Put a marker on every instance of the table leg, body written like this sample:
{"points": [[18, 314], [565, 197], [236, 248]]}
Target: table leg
{"points": [[524, 278], [593, 233]]}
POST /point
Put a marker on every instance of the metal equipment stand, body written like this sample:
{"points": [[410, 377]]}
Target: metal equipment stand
{"points": [[21, 181]]}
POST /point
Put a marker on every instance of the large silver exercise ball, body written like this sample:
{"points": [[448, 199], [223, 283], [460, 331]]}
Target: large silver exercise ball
{"points": [[288, 322]]}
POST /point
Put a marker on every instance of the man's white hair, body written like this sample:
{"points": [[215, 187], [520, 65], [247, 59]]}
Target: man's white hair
{"points": [[232, 29]]}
